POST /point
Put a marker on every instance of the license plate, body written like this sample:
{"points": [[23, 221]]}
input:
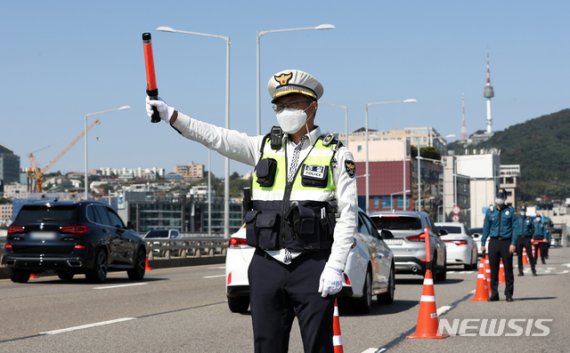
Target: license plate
{"points": [[42, 235], [394, 241]]}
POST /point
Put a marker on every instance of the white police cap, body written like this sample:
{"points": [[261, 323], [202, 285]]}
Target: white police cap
{"points": [[294, 81]]}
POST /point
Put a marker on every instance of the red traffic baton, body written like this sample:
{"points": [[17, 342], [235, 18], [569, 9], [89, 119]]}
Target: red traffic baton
{"points": [[151, 89]]}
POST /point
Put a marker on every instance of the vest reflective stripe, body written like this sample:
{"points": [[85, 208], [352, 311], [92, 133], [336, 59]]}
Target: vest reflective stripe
{"points": [[320, 155]]}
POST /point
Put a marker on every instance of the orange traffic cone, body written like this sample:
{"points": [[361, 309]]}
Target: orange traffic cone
{"points": [[337, 337], [147, 265], [428, 321], [33, 276], [488, 273], [525, 257], [502, 273], [481, 291]]}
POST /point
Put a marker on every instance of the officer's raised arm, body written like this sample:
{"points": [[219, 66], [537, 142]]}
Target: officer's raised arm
{"points": [[229, 143]]}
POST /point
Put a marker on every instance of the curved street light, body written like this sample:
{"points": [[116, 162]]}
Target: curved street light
{"points": [[87, 116], [226, 159], [367, 172]]}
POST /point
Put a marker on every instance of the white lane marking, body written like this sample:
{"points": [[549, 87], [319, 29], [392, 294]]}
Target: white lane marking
{"points": [[374, 350], [551, 268], [567, 265], [121, 285], [563, 272], [442, 310], [75, 328], [216, 276], [472, 292], [547, 271]]}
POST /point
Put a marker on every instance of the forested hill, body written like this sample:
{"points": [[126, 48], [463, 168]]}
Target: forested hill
{"points": [[542, 148]]}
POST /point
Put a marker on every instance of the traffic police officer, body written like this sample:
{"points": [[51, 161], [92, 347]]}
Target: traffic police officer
{"points": [[538, 238], [524, 229], [498, 224], [302, 217]]}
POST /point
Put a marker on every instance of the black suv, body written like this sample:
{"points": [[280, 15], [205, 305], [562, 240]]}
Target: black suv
{"points": [[71, 237]]}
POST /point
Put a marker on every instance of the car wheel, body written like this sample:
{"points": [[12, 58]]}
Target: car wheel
{"points": [[65, 275], [364, 304], [388, 297], [98, 274], [238, 304], [441, 275], [137, 272], [20, 276], [472, 265]]}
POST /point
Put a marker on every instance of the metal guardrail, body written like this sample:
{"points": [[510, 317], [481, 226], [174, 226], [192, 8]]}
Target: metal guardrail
{"points": [[158, 249], [186, 247]]}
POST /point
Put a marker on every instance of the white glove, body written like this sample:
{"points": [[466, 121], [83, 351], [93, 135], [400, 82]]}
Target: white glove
{"points": [[164, 110], [330, 282]]}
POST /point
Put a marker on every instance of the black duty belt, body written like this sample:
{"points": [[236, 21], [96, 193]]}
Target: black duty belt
{"points": [[501, 238]]}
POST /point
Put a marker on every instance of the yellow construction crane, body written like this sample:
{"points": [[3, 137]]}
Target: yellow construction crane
{"points": [[36, 174]]}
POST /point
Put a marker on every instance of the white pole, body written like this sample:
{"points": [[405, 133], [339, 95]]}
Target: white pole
{"points": [[209, 192], [86, 164], [258, 93], [419, 180], [366, 200], [227, 160]]}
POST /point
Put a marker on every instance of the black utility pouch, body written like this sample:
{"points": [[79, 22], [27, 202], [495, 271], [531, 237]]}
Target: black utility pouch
{"points": [[250, 236], [267, 229], [265, 171], [305, 226], [315, 175]]}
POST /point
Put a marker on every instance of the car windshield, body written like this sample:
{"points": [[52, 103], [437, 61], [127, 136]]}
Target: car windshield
{"points": [[451, 229], [157, 234], [43, 213], [397, 223], [476, 230]]}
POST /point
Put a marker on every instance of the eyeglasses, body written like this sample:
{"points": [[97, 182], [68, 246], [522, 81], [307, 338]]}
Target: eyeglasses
{"points": [[295, 105]]}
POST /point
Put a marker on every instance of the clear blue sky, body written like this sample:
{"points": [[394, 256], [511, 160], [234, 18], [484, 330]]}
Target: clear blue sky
{"points": [[62, 59]]}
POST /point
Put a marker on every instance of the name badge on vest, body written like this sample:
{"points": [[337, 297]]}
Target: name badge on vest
{"points": [[314, 175]]}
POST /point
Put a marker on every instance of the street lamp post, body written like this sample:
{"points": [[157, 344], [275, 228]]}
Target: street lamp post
{"points": [[226, 159], [258, 59], [345, 108], [87, 116], [409, 100], [419, 158]]}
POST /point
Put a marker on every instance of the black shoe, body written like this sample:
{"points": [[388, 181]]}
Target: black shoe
{"points": [[521, 274], [510, 299], [494, 298], [534, 273]]}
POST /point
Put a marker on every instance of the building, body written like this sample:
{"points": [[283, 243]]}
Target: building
{"points": [[16, 191], [190, 171], [185, 215], [393, 176], [456, 205], [9, 166], [415, 136], [483, 173], [5, 214], [509, 175]]}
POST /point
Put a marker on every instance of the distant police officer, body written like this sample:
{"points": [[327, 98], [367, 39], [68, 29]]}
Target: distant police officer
{"points": [[498, 225], [524, 229], [538, 238], [302, 181]]}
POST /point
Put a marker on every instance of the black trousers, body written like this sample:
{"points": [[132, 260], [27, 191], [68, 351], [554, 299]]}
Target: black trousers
{"points": [[525, 242], [499, 249], [541, 247], [279, 292]]}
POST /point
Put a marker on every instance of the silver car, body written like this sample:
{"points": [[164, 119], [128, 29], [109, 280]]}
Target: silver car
{"points": [[408, 246]]}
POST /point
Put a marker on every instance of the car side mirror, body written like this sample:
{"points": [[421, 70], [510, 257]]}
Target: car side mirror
{"points": [[130, 225], [386, 234]]}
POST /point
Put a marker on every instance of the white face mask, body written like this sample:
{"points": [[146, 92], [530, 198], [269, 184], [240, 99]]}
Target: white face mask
{"points": [[291, 120], [500, 202]]}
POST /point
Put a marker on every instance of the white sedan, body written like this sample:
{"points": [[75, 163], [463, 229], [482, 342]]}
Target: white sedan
{"points": [[461, 248], [369, 269]]}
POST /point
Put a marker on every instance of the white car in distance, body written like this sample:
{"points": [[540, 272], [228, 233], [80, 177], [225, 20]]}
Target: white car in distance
{"points": [[461, 248], [369, 269]]}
